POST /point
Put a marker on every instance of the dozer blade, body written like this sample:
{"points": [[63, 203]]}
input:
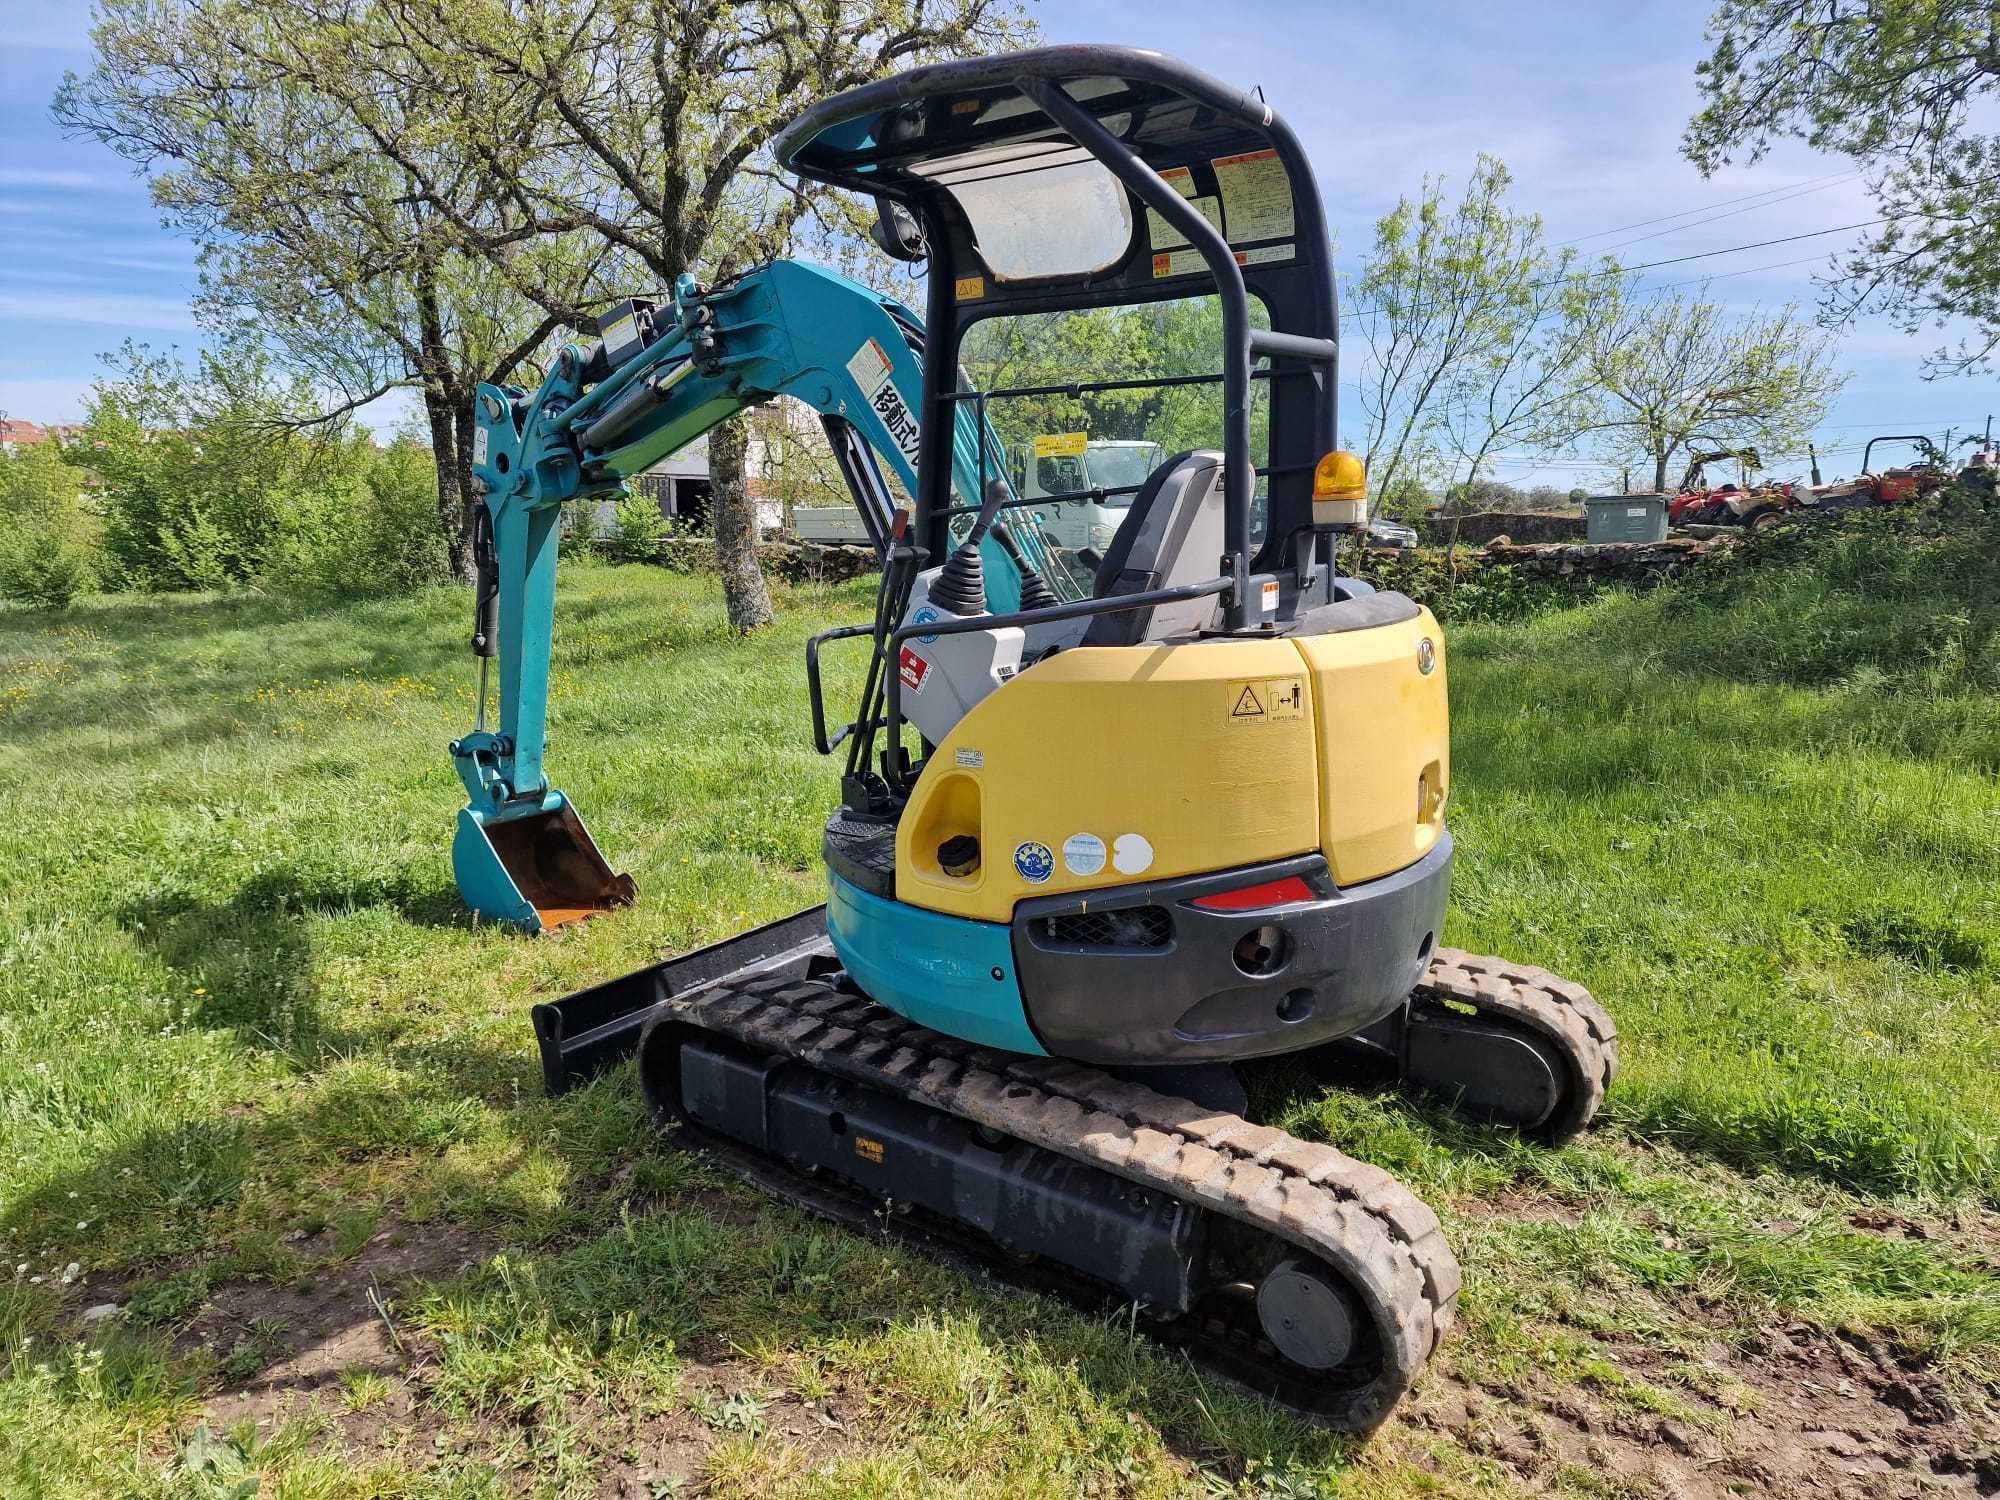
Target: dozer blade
{"points": [[537, 871], [583, 1034]]}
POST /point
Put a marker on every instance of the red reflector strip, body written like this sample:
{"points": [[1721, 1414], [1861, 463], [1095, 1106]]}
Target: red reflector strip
{"points": [[1270, 893]]}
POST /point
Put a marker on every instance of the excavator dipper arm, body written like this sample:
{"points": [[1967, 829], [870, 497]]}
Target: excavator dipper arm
{"points": [[660, 378]]}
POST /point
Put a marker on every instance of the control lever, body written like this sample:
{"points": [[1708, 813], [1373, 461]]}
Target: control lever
{"points": [[961, 583]]}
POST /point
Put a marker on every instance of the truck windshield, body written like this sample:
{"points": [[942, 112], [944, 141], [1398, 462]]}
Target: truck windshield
{"points": [[1122, 465]]}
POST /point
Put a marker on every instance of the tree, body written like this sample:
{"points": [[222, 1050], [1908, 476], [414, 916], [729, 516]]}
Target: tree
{"points": [[1903, 87], [1532, 383], [1447, 288], [310, 235], [1675, 371], [643, 124]]}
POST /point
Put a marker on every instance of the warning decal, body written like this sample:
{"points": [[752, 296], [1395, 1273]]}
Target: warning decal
{"points": [[1184, 262], [868, 1150], [915, 670], [1275, 700], [1285, 698], [870, 368], [1256, 196], [1163, 235]]}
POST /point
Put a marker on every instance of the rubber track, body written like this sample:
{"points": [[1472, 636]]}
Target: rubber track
{"points": [[1563, 1012], [1354, 1216]]}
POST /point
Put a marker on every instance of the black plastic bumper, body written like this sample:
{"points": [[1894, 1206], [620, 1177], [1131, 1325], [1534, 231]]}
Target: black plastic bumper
{"points": [[1140, 974]]}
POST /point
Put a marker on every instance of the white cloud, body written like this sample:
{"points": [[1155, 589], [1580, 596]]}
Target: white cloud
{"points": [[75, 182], [140, 314]]}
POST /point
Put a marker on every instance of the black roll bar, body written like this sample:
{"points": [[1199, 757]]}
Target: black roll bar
{"points": [[1152, 190]]}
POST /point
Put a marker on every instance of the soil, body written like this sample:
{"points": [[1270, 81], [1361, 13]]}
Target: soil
{"points": [[304, 1336], [1795, 1410], [1802, 1412]]}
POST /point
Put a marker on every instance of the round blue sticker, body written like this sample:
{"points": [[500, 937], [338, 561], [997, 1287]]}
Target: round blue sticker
{"points": [[926, 616], [1034, 861]]}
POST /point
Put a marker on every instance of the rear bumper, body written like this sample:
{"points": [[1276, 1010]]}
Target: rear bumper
{"points": [[1139, 974]]}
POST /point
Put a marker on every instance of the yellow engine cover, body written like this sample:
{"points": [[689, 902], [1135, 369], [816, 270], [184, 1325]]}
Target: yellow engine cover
{"points": [[1103, 766]]}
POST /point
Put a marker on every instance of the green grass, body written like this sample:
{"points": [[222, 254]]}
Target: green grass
{"points": [[248, 1039]]}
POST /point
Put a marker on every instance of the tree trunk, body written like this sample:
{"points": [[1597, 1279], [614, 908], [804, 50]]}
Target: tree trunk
{"points": [[449, 408], [462, 420], [1659, 473], [743, 590], [450, 481]]}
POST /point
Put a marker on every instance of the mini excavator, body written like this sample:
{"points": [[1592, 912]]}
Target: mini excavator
{"points": [[1107, 831]]}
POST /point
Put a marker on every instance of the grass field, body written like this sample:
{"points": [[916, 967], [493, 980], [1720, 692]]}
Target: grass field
{"points": [[265, 1087]]}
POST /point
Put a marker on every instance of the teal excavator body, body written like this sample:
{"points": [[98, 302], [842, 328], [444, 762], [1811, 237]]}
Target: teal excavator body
{"points": [[661, 375]]}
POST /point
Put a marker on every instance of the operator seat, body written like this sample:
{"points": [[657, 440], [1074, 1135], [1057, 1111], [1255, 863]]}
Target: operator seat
{"points": [[1171, 535]]}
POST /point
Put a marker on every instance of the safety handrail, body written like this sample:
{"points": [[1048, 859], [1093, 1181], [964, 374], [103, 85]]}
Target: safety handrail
{"points": [[840, 633]]}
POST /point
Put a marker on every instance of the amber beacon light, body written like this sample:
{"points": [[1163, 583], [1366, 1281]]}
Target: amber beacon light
{"points": [[1340, 490]]}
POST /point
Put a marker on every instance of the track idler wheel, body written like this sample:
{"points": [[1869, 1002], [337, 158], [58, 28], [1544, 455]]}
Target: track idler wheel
{"points": [[1308, 1314], [1505, 1043]]}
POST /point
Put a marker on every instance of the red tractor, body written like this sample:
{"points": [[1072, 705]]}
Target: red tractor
{"points": [[1895, 485], [1736, 503]]}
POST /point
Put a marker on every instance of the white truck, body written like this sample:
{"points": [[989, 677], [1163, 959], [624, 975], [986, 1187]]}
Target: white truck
{"points": [[1073, 525], [1102, 464]]}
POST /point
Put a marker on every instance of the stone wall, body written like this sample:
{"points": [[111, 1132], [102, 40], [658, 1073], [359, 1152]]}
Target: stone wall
{"points": [[795, 562], [1603, 562], [1483, 526], [1582, 565]]}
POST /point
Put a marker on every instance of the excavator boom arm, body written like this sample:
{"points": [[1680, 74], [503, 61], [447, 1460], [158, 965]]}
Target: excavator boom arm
{"points": [[600, 417]]}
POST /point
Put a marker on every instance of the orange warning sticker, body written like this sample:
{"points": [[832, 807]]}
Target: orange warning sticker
{"points": [[868, 1150]]}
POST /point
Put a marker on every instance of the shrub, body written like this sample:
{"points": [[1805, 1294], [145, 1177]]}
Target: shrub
{"points": [[192, 471], [366, 523], [48, 540], [1481, 591], [406, 541], [582, 535], [639, 530], [44, 568]]}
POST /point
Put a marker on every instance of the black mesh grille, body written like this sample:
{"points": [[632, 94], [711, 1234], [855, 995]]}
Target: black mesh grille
{"points": [[1130, 927]]}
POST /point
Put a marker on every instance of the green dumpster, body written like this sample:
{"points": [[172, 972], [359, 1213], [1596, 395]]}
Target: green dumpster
{"points": [[1625, 518]]}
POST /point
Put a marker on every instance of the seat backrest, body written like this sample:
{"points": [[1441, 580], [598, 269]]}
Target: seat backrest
{"points": [[1173, 534]]}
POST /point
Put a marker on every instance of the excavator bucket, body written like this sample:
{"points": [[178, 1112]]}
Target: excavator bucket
{"points": [[537, 871]]}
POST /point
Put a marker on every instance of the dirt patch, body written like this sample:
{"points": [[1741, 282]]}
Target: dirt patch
{"points": [[1797, 1411], [798, 1433], [279, 1343]]}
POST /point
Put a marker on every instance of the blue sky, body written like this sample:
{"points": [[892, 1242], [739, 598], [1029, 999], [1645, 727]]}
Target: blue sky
{"points": [[1584, 102]]}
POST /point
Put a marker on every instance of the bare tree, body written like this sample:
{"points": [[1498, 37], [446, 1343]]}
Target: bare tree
{"points": [[365, 153], [310, 237], [1447, 287], [1676, 370], [644, 123]]}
